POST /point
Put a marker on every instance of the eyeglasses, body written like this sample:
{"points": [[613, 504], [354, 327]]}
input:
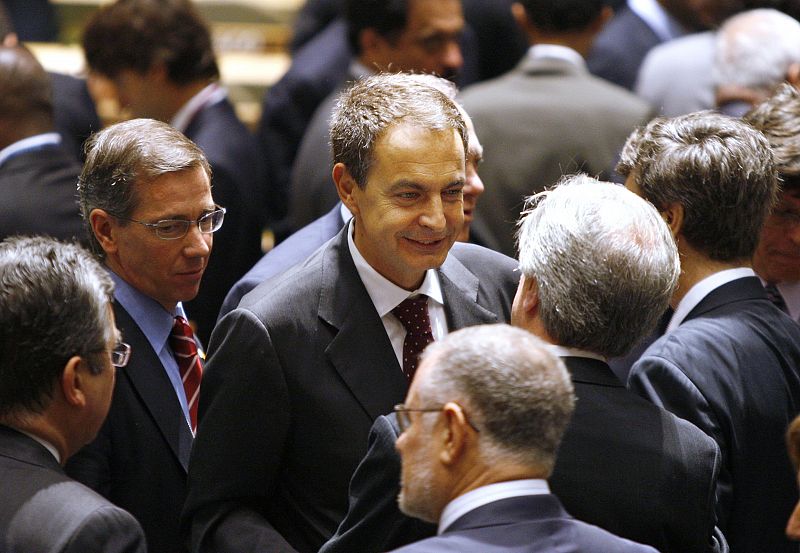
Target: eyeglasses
{"points": [[173, 229], [404, 420], [121, 354]]}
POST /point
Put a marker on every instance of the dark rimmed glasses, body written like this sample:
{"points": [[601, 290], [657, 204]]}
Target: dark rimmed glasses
{"points": [[174, 229]]}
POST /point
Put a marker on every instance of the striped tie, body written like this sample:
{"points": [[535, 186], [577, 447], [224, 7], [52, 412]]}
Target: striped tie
{"points": [[181, 340]]}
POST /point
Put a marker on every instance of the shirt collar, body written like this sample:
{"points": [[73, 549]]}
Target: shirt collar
{"points": [[556, 51], [563, 351], [484, 495], [44, 443], [153, 320], [662, 23], [210, 95], [30, 143], [703, 288], [386, 295]]}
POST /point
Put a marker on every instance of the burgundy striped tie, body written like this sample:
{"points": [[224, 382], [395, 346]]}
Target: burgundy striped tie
{"points": [[181, 340], [413, 314]]}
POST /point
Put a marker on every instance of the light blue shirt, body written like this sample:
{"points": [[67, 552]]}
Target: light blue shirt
{"points": [[31, 143], [155, 322]]}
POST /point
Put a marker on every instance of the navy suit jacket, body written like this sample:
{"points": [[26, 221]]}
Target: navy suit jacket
{"points": [[39, 190], [141, 454], [74, 113], [295, 377], [731, 368], [527, 524], [237, 184], [620, 48], [663, 495], [44, 511]]}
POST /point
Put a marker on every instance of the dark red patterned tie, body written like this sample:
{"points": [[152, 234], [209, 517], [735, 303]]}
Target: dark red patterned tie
{"points": [[413, 314], [181, 340]]}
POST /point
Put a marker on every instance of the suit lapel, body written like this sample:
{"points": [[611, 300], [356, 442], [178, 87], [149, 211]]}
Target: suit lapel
{"points": [[360, 351], [150, 382], [460, 291]]}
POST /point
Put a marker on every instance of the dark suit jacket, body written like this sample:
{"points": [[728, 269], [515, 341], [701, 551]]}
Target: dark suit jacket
{"points": [[731, 368], [140, 456], [295, 378], [632, 469], [237, 184], [39, 190], [74, 113], [527, 524], [620, 48], [44, 511], [285, 255]]}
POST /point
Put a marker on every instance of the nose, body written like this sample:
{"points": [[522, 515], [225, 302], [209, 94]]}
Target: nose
{"points": [[793, 526], [474, 185], [451, 59], [433, 215], [196, 243]]}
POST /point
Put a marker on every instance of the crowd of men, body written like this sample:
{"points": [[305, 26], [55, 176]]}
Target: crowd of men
{"points": [[469, 339]]}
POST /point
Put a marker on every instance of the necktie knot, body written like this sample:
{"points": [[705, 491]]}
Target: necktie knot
{"points": [[184, 348], [413, 315]]}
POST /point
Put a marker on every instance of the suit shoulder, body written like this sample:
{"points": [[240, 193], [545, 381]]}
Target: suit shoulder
{"points": [[108, 529], [477, 258]]}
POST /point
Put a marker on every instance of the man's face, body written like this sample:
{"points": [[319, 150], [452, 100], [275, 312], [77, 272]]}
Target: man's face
{"points": [[430, 41], [777, 257], [100, 387], [474, 185], [137, 94], [168, 271], [421, 494], [411, 210]]}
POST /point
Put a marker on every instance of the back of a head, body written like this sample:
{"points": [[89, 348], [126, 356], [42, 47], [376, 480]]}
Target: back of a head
{"points": [[564, 15], [778, 118], [604, 261], [755, 49], [719, 169], [126, 155], [25, 92], [387, 17], [136, 34], [54, 302], [367, 109], [517, 393]]}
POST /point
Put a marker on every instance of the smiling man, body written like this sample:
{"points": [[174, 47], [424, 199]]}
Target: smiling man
{"points": [[145, 195], [299, 371]]}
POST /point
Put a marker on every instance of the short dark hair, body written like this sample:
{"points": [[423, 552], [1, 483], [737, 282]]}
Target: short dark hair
{"points": [[135, 34], [125, 156], [25, 90], [53, 305], [387, 17], [778, 117], [720, 169], [559, 16]]}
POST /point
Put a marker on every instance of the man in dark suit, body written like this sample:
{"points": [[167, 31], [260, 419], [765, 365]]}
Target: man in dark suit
{"points": [[146, 198], [38, 176], [159, 56], [312, 357], [729, 361], [652, 482], [58, 355], [480, 428]]}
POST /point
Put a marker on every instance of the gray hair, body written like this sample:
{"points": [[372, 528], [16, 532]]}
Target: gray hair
{"points": [[720, 169], [367, 109], [604, 261], [126, 156], [778, 117], [517, 393], [755, 48], [54, 300]]}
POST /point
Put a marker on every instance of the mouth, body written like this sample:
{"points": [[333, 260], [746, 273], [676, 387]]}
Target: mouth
{"points": [[427, 244]]}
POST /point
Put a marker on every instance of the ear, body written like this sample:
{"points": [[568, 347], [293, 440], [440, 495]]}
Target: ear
{"points": [[529, 295], [374, 46], [673, 216], [793, 75], [346, 186], [103, 229], [520, 15], [455, 435], [72, 381]]}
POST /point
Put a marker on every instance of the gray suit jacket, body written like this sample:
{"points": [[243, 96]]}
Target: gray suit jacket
{"points": [[544, 119], [44, 511], [295, 377]]}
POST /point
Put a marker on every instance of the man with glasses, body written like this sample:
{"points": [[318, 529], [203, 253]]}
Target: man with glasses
{"points": [[58, 352], [146, 200], [479, 433]]}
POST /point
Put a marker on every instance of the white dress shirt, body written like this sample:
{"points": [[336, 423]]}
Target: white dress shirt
{"points": [[702, 289], [210, 95]]}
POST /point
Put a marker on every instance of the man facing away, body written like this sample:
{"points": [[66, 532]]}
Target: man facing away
{"points": [[299, 371], [479, 432], [145, 195], [729, 360], [59, 350]]}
